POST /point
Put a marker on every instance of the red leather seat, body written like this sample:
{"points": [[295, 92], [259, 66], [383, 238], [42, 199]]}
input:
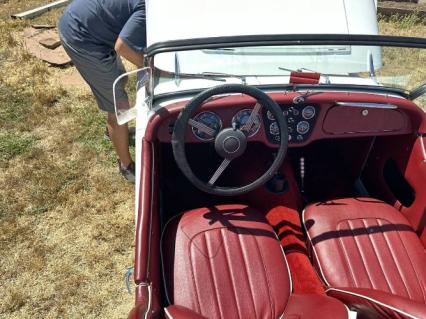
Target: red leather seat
{"points": [[369, 257], [226, 262]]}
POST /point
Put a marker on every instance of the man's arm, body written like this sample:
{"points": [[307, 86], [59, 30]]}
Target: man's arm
{"points": [[128, 53]]}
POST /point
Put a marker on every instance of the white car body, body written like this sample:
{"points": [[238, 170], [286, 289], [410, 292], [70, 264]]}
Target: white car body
{"points": [[193, 19]]}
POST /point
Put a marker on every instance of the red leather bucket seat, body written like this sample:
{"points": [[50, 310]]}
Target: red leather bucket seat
{"points": [[226, 262], [369, 257]]}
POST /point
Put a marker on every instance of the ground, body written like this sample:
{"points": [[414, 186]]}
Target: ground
{"points": [[66, 216]]}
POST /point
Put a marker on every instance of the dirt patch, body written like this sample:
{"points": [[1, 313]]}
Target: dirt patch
{"points": [[71, 79], [389, 8], [46, 46]]}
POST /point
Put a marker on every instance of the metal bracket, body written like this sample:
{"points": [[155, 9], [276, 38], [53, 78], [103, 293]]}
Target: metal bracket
{"points": [[128, 279]]}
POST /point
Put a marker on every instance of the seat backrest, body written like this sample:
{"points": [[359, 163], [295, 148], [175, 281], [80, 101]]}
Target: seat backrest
{"points": [[225, 262]]}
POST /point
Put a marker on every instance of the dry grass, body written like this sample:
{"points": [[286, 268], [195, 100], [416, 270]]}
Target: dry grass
{"points": [[66, 217]]}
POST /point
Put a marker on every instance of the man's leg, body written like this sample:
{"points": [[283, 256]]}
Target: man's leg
{"points": [[100, 75], [119, 135]]}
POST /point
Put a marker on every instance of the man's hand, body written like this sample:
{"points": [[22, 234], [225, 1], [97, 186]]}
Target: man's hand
{"points": [[128, 53]]}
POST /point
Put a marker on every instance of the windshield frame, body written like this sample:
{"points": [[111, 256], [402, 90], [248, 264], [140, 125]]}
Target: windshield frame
{"points": [[284, 39]]}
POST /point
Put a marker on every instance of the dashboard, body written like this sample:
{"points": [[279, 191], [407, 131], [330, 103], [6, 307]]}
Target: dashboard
{"points": [[300, 121], [324, 115]]}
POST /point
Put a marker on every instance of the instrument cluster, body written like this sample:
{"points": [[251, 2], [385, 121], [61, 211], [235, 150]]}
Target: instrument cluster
{"points": [[300, 121], [213, 121]]}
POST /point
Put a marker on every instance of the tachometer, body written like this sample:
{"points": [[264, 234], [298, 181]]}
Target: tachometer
{"points": [[241, 118], [210, 119]]}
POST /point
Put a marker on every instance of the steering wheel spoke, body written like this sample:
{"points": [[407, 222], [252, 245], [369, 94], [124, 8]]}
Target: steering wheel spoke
{"points": [[219, 171], [202, 127], [247, 127], [229, 143]]}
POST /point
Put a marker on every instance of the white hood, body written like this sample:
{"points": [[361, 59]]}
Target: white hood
{"points": [[188, 19]]}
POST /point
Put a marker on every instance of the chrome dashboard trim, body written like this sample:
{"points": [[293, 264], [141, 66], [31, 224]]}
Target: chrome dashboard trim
{"points": [[368, 105]]}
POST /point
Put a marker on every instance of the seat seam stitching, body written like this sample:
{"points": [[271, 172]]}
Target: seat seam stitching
{"points": [[229, 274], [412, 266], [247, 276], [377, 256], [193, 279], [363, 259], [346, 258], [211, 276], [394, 260], [271, 303]]}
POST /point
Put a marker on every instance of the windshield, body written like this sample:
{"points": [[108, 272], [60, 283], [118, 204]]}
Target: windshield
{"points": [[395, 67]]}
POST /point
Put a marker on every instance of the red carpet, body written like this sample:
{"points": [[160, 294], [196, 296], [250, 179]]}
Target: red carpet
{"points": [[282, 212]]}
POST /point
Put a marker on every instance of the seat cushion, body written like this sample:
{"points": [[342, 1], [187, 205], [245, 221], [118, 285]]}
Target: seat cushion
{"points": [[365, 243], [225, 262], [309, 306]]}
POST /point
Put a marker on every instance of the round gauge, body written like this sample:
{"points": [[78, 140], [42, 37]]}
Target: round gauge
{"points": [[270, 116], [210, 119], [308, 112], [302, 127], [242, 117], [274, 129]]}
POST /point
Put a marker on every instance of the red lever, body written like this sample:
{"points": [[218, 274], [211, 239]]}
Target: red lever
{"points": [[304, 77]]}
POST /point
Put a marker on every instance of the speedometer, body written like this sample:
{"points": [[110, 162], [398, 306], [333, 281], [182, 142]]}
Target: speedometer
{"points": [[210, 119], [242, 117]]}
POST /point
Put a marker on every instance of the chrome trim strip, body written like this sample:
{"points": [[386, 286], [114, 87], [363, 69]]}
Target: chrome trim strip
{"points": [[368, 105], [373, 300], [422, 144], [148, 309], [168, 313]]}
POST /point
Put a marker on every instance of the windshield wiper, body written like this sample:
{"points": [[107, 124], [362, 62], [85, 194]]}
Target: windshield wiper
{"points": [[214, 76], [219, 75], [204, 75]]}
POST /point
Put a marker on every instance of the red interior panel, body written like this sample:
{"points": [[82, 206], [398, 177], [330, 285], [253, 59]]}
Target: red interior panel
{"points": [[350, 120], [406, 119], [408, 152]]}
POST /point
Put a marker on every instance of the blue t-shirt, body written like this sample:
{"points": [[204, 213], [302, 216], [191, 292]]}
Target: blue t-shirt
{"points": [[95, 25]]}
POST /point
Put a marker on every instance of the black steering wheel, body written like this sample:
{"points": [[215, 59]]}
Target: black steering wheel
{"points": [[229, 143]]}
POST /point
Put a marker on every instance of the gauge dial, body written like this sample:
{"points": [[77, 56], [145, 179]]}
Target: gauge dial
{"points": [[241, 118], [308, 112], [302, 127], [270, 116], [210, 119], [274, 129]]}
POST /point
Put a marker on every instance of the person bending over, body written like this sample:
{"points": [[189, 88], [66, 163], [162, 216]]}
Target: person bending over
{"points": [[95, 33]]}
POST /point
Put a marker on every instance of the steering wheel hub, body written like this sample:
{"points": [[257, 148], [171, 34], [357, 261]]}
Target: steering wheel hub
{"points": [[230, 143]]}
